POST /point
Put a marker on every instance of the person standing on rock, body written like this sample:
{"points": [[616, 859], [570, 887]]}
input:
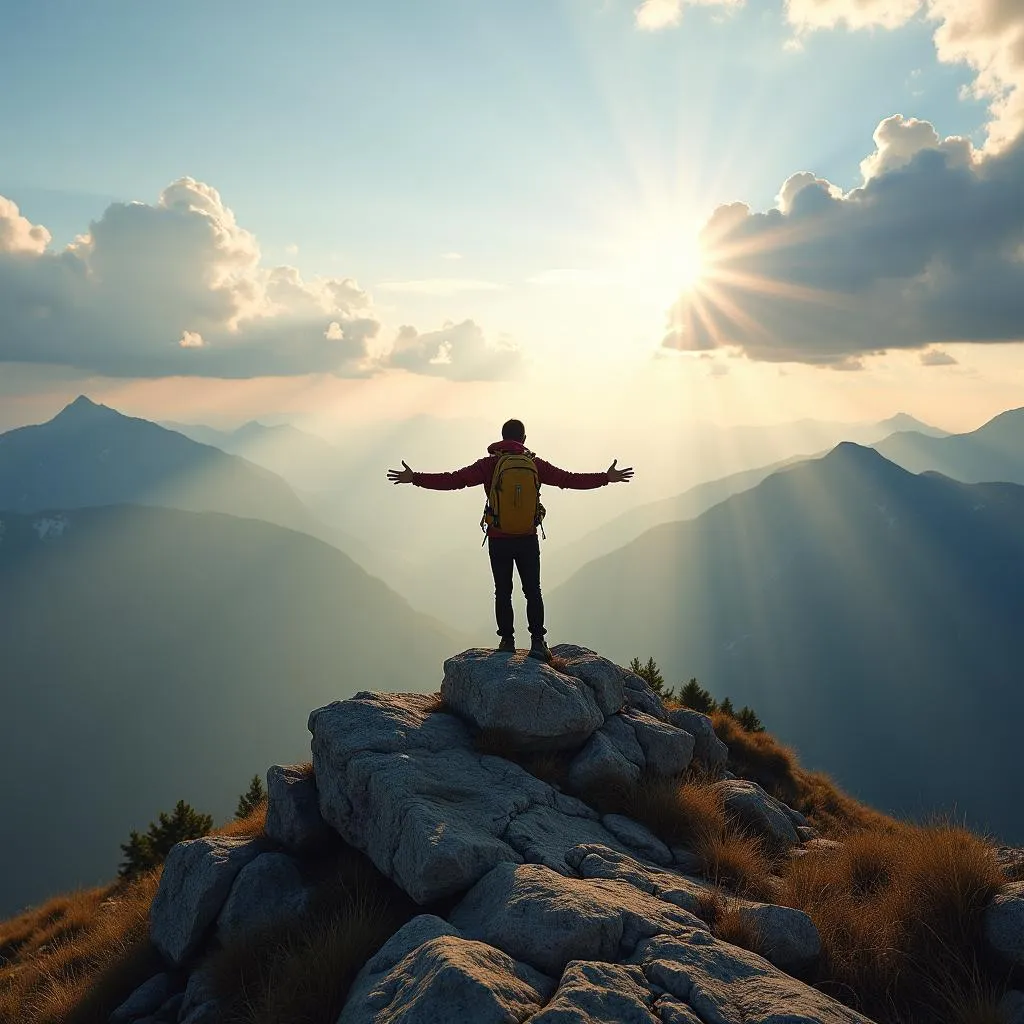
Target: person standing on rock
{"points": [[511, 475]]}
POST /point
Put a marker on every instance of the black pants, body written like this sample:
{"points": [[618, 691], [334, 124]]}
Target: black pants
{"points": [[524, 554]]}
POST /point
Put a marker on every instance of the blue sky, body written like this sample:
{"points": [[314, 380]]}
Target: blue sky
{"points": [[536, 139]]}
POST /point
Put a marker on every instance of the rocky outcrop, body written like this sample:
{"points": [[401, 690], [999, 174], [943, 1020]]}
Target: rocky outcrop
{"points": [[556, 914]]}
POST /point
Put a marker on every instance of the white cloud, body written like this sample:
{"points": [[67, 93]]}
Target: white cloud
{"points": [[17, 233], [459, 351], [986, 35], [150, 284], [292, 249], [655, 15], [927, 250], [451, 255], [936, 357], [439, 286]]}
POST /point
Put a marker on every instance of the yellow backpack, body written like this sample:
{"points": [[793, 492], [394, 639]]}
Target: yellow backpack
{"points": [[513, 501]]}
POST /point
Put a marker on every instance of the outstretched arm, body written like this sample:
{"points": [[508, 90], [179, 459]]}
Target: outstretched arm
{"points": [[556, 477], [468, 476]]}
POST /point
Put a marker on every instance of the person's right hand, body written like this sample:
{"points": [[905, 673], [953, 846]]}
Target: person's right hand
{"points": [[401, 476], [619, 476]]}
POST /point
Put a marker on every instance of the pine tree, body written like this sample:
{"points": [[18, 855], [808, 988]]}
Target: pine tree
{"points": [[726, 708], [651, 675], [749, 720], [694, 696], [251, 798], [145, 851]]}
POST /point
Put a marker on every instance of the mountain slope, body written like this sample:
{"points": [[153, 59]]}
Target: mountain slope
{"points": [[151, 655], [995, 451], [869, 615]]}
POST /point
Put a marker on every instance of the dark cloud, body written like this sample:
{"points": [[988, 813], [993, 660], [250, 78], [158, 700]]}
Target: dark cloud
{"points": [[928, 250]]}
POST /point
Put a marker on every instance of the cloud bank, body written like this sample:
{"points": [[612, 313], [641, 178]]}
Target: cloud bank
{"points": [[986, 35], [929, 249], [178, 288]]}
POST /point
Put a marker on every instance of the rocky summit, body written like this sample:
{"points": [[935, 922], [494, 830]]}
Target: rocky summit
{"points": [[535, 906]]}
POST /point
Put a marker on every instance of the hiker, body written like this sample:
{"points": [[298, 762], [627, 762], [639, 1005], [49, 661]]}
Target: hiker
{"points": [[511, 476]]}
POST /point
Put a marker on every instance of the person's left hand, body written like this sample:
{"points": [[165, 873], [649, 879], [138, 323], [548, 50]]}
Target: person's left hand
{"points": [[619, 476]]}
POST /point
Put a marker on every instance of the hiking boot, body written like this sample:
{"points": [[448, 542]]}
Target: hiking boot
{"points": [[508, 643], [539, 650]]}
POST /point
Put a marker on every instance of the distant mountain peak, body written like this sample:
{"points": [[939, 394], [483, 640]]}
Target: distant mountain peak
{"points": [[903, 421], [82, 410]]}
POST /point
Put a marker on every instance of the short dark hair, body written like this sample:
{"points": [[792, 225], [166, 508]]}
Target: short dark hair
{"points": [[513, 430]]}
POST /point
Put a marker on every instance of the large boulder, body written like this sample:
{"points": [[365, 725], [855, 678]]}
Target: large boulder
{"points": [[1004, 923], [602, 763], [760, 813], [426, 973], [532, 705], [708, 748], [197, 877], [293, 810], [268, 891], [667, 749], [401, 781], [547, 920]]}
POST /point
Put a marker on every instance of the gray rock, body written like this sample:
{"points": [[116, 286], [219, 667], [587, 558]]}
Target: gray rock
{"points": [[594, 993], [757, 811], [724, 984], [268, 891], [798, 819], [604, 677], [406, 940], [708, 748], [601, 763], [1004, 923], [619, 730], [674, 1011], [197, 877], [787, 937], [806, 833], [667, 750], [404, 785], [535, 707], [146, 999], [1011, 1007], [448, 978], [293, 810], [545, 835], [546, 920], [638, 837]]}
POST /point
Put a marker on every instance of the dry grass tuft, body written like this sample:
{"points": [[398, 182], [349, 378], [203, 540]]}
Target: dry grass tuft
{"points": [[727, 920], [899, 913], [76, 958], [435, 704], [253, 826], [736, 861], [300, 972]]}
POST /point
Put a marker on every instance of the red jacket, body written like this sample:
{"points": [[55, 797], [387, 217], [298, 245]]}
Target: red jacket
{"points": [[481, 471]]}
